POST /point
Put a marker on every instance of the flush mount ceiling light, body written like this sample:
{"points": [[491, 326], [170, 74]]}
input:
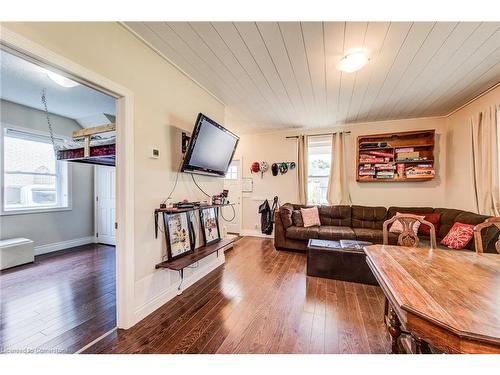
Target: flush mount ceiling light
{"points": [[61, 80], [354, 61]]}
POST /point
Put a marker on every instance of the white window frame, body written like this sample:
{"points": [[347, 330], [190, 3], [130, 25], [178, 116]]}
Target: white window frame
{"points": [[68, 206], [312, 176], [231, 174]]}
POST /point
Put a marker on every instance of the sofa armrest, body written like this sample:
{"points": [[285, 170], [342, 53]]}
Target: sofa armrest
{"points": [[279, 230]]}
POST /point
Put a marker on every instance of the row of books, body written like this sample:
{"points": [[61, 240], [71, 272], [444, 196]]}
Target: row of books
{"points": [[388, 171], [420, 170]]}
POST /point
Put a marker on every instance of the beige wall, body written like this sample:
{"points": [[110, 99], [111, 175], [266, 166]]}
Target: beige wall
{"points": [[165, 101], [459, 176], [59, 226], [274, 147]]}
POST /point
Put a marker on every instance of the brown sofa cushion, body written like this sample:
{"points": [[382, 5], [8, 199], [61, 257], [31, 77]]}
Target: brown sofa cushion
{"points": [[297, 218], [336, 233], [335, 215], [391, 211], [301, 233], [368, 217], [448, 218], [286, 215], [371, 235]]}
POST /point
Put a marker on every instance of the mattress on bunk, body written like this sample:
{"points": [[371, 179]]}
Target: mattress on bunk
{"points": [[75, 150]]}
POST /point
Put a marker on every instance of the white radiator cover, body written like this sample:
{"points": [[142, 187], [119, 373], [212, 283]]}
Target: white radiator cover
{"points": [[16, 251]]}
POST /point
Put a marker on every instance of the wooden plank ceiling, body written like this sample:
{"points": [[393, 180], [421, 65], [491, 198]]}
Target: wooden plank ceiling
{"points": [[277, 75]]}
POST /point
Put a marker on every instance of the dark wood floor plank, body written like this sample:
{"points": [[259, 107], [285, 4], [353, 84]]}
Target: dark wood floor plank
{"points": [[59, 303], [260, 301]]}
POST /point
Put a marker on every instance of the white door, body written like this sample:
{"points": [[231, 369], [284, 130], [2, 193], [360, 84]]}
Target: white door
{"points": [[232, 183], [105, 204]]}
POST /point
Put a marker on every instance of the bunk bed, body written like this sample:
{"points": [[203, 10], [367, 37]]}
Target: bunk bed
{"points": [[90, 146]]}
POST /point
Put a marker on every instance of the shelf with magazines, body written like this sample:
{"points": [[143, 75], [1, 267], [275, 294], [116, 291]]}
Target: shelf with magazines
{"points": [[396, 157]]}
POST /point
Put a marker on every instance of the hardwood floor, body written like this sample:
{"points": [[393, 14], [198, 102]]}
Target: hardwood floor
{"points": [[60, 303], [260, 301]]}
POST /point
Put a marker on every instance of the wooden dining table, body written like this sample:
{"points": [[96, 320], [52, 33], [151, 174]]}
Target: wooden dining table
{"points": [[445, 299]]}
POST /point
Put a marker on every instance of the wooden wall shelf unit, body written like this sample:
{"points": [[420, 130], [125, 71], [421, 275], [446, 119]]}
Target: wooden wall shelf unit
{"points": [[396, 157]]}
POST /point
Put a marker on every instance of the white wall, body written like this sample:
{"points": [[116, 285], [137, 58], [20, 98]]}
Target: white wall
{"points": [[274, 147], [71, 227], [165, 102]]}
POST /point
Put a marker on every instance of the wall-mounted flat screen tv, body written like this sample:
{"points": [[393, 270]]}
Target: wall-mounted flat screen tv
{"points": [[211, 148]]}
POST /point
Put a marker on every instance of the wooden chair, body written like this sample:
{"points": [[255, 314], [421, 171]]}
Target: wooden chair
{"points": [[408, 237], [478, 242]]}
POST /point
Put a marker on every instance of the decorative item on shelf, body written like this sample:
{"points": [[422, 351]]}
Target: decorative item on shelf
{"points": [[179, 235], [210, 225], [220, 198]]}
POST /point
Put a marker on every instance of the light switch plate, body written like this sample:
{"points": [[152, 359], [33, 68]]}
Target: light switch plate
{"points": [[155, 153]]}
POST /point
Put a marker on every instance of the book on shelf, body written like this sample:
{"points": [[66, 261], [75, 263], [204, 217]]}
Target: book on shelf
{"points": [[407, 155], [404, 149], [407, 160], [385, 177], [380, 153]]}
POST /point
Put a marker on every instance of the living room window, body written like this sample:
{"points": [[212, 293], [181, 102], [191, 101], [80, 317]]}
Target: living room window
{"points": [[33, 180], [319, 158]]}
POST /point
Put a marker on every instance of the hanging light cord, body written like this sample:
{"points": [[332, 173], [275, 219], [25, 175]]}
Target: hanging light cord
{"points": [[51, 131]]}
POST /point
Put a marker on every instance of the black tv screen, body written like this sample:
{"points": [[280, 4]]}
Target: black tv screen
{"points": [[211, 148]]}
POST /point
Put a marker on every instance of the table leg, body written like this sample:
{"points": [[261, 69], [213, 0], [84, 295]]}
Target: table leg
{"points": [[421, 346], [394, 329]]}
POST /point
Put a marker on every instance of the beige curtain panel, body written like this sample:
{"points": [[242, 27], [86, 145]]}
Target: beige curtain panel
{"points": [[338, 191], [302, 168], [485, 161]]}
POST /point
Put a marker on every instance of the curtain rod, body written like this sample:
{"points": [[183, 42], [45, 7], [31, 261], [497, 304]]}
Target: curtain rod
{"points": [[317, 135]]}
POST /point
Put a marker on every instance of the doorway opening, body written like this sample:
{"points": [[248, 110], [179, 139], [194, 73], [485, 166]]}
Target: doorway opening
{"points": [[61, 294]]}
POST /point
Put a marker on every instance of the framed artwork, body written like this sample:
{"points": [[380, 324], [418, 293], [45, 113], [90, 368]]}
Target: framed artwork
{"points": [[179, 235], [209, 225]]}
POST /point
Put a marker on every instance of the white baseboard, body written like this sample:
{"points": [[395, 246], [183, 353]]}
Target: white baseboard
{"points": [[51, 247], [255, 233], [170, 277]]}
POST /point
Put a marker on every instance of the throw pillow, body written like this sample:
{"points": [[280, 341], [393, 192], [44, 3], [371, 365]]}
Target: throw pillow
{"points": [[297, 218], [433, 218], [286, 216], [397, 226], [310, 216], [459, 236]]}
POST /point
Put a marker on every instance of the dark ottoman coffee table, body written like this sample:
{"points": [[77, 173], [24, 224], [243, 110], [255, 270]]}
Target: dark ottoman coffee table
{"points": [[340, 260]]}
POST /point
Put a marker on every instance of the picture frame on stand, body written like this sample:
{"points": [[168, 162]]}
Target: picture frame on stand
{"points": [[179, 235], [209, 225]]}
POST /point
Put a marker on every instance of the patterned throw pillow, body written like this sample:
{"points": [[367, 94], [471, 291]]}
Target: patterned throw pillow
{"points": [[459, 236], [397, 226], [310, 216]]}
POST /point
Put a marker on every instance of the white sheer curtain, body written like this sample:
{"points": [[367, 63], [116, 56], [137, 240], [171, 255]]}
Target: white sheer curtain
{"points": [[302, 168], [484, 128], [338, 190]]}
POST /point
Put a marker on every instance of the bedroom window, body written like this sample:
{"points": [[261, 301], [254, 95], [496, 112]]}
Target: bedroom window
{"points": [[33, 180], [319, 157]]}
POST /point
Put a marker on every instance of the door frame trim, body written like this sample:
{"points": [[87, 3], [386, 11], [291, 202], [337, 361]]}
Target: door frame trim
{"points": [[125, 253]]}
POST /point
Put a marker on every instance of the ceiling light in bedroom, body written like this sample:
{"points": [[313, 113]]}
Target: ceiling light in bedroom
{"points": [[60, 80], [354, 61]]}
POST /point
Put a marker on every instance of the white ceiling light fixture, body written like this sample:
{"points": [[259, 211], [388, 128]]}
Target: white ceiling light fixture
{"points": [[61, 80], [353, 61]]}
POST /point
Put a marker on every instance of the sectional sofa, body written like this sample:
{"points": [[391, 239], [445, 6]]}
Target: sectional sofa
{"points": [[364, 223]]}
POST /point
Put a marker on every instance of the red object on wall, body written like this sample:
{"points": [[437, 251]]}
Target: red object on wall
{"points": [[255, 167]]}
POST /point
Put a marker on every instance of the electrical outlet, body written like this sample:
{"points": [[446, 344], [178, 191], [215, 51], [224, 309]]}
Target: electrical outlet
{"points": [[155, 153]]}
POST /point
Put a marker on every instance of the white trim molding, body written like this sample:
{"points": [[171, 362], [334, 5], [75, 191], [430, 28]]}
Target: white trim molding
{"points": [[63, 245], [255, 233]]}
